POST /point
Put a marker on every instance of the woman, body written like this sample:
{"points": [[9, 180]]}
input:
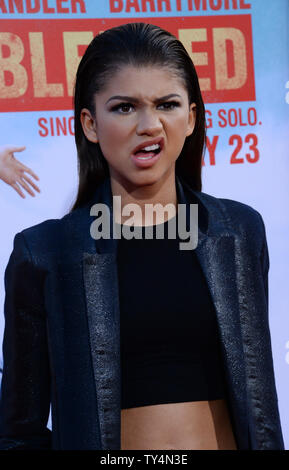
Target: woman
{"points": [[191, 366]]}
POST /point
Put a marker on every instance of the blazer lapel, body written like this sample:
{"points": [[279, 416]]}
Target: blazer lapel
{"points": [[216, 255], [77, 412], [101, 289], [102, 306]]}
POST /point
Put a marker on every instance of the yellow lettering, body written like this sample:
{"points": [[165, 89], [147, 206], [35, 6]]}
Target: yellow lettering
{"points": [[188, 37], [41, 87], [71, 40], [12, 64], [220, 36]]}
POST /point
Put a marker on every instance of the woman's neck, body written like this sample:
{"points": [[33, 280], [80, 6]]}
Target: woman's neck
{"points": [[153, 203]]}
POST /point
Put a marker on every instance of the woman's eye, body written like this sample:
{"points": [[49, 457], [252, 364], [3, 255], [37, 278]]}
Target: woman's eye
{"points": [[170, 104], [123, 108]]}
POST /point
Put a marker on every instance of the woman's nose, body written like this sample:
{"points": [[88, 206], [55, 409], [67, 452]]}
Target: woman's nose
{"points": [[149, 123]]}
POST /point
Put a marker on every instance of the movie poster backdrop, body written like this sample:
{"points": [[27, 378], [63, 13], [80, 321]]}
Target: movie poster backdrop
{"points": [[241, 52]]}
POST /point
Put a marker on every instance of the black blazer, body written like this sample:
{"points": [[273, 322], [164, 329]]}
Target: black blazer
{"points": [[61, 341]]}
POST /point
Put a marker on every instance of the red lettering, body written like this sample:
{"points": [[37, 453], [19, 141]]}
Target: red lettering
{"points": [[71, 125], [232, 140], [241, 123], [152, 5], [51, 126], [81, 4], [179, 5], [234, 4], [33, 9], [132, 4], [251, 139], [46, 8], [41, 123], [115, 6], [222, 116], [234, 117], [57, 126], [3, 6], [60, 8], [252, 116], [18, 4], [167, 3], [209, 120], [197, 4], [253, 147], [211, 146], [61, 128], [244, 5], [218, 5]]}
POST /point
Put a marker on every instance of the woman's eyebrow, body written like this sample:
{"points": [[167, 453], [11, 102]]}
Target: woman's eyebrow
{"points": [[136, 100]]}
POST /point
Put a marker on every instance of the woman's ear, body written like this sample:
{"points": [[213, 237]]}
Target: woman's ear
{"points": [[88, 125], [192, 119]]}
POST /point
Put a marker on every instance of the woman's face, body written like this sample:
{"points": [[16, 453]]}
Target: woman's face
{"points": [[140, 107]]}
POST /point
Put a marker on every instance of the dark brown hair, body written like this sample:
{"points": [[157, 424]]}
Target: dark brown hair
{"points": [[136, 44]]}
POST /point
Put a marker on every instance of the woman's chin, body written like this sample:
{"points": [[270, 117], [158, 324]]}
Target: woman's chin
{"points": [[142, 177], [138, 180]]}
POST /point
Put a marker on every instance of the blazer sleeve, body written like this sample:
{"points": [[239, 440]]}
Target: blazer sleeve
{"points": [[264, 259], [25, 388], [275, 423]]}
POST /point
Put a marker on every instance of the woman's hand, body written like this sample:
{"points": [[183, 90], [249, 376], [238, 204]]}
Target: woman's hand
{"points": [[13, 172]]}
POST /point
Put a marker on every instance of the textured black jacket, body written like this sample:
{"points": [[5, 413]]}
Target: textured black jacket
{"points": [[61, 340]]}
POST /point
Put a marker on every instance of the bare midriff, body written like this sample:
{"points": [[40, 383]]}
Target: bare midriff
{"points": [[194, 425]]}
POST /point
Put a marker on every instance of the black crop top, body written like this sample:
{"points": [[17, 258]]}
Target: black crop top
{"points": [[170, 349]]}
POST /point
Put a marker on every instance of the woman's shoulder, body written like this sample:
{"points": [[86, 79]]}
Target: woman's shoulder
{"points": [[231, 205], [45, 236], [240, 216], [225, 208], [43, 230]]}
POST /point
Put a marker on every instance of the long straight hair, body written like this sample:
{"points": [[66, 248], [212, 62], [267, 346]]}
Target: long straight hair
{"points": [[135, 44]]}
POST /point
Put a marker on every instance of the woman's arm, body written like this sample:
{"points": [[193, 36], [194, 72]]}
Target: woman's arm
{"points": [[274, 424], [25, 388]]}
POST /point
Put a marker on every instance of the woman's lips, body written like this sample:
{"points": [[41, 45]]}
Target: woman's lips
{"points": [[145, 159]]}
